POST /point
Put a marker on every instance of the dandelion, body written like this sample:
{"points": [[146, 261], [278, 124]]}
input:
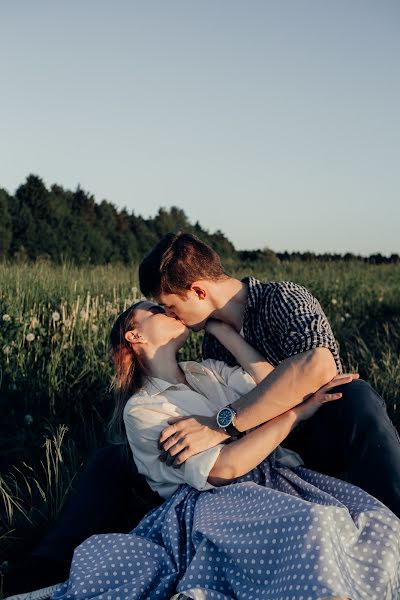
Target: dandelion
{"points": [[30, 337], [342, 319], [56, 316], [334, 301], [28, 420], [380, 300], [34, 323], [7, 350], [67, 322], [6, 317], [347, 315]]}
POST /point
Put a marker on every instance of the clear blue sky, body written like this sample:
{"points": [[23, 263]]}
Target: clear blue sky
{"points": [[276, 122]]}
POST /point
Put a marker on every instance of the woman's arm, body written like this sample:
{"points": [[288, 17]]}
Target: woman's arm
{"points": [[248, 357], [243, 455]]}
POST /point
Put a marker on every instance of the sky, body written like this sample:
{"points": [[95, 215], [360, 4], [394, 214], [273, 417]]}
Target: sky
{"points": [[276, 122]]}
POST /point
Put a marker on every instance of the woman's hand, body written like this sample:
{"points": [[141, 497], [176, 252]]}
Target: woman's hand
{"points": [[309, 407]]}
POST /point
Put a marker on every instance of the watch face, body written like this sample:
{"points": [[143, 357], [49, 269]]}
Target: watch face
{"points": [[225, 417]]}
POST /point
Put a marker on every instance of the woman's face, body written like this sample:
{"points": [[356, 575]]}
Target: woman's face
{"points": [[156, 328]]}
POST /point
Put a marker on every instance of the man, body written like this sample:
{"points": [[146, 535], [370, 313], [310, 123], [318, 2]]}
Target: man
{"points": [[352, 438]]}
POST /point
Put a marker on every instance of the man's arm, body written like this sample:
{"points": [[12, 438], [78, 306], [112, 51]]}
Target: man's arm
{"points": [[293, 381], [242, 455]]}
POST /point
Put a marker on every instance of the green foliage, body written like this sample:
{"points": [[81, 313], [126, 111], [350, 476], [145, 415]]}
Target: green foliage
{"points": [[70, 226], [61, 226], [55, 371], [5, 224]]}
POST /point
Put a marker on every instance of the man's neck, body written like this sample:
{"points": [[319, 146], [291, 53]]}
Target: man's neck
{"points": [[230, 299]]}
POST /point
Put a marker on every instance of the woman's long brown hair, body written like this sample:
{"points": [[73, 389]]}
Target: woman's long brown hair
{"points": [[128, 372]]}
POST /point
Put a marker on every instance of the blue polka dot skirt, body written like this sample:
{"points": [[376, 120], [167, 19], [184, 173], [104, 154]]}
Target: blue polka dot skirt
{"points": [[277, 532]]}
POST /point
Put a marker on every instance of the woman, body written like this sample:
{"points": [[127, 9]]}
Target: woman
{"points": [[280, 531]]}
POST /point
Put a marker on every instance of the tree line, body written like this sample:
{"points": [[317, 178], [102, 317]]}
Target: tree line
{"points": [[63, 225]]}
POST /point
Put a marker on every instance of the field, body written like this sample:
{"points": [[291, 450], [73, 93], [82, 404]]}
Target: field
{"points": [[55, 371]]}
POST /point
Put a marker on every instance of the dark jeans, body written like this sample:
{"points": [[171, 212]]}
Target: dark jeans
{"points": [[352, 438]]}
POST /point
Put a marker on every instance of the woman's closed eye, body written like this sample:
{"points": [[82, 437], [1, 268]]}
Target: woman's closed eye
{"points": [[157, 309]]}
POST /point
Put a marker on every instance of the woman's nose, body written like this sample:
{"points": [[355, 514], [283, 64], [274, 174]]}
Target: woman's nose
{"points": [[170, 313]]}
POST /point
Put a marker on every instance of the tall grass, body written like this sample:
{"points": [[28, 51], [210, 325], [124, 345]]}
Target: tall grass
{"points": [[55, 369]]}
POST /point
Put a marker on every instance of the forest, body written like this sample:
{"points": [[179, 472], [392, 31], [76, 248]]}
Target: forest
{"points": [[61, 226]]}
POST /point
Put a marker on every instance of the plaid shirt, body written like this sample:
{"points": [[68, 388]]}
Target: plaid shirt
{"points": [[280, 319]]}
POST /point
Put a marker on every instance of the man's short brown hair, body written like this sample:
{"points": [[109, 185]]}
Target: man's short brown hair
{"points": [[176, 262]]}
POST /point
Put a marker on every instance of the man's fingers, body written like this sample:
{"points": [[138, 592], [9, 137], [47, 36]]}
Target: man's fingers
{"points": [[175, 419], [180, 459], [171, 441], [176, 448], [167, 432]]}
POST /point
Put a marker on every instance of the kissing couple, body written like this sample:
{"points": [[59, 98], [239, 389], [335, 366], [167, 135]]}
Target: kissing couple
{"points": [[261, 471]]}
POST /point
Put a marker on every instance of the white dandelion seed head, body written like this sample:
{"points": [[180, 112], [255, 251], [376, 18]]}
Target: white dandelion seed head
{"points": [[334, 301], [347, 315], [7, 349], [56, 316], [6, 317], [67, 322], [30, 337]]}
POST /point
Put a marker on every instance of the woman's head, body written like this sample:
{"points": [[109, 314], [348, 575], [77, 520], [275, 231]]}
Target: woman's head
{"points": [[137, 334], [136, 337]]}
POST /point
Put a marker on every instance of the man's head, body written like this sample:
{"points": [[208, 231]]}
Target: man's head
{"points": [[179, 273]]}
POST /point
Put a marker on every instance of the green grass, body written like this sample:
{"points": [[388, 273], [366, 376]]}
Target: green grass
{"points": [[55, 372]]}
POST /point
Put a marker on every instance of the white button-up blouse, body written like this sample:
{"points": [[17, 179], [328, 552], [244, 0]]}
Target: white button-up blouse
{"points": [[215, 385]]}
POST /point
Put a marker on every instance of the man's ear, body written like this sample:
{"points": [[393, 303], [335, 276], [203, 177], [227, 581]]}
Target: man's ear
{"points": [[133, 337], [199, 290]]}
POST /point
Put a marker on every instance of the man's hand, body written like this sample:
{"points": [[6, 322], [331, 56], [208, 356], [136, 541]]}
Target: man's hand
{"points": [[187, 436]]}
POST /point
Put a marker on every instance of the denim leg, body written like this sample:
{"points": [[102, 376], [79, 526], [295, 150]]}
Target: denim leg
{"points": [[353, 438], [111, 497]]}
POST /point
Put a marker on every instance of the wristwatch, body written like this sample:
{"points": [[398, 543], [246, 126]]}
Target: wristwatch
{"points": [[226, 418]]}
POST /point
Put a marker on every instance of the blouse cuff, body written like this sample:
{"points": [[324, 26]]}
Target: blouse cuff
{"points": [[198, 467]]}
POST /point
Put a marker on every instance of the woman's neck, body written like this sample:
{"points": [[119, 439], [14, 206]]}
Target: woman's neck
{"points": [[163, 365]]}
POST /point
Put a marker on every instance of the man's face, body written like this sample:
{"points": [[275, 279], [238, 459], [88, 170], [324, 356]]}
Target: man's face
{"points": [[192, 308]]}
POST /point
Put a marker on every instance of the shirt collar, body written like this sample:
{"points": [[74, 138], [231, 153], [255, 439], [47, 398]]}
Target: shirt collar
{"points": [[254, 290], [155, 385]]}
